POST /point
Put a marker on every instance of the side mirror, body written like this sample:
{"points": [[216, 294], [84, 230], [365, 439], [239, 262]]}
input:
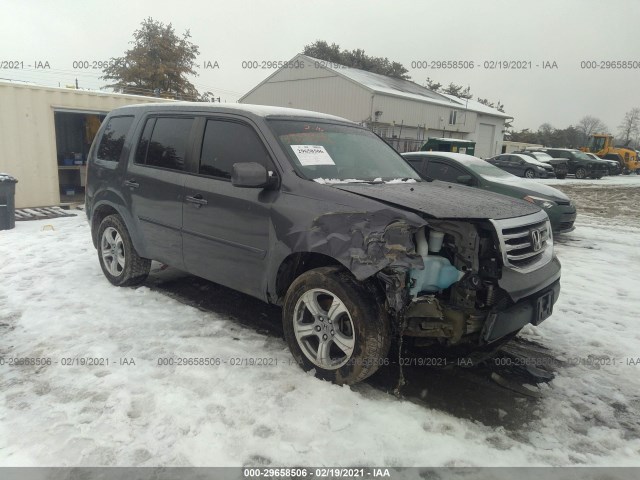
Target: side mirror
{"points": [[249, 175], [465, 179]]}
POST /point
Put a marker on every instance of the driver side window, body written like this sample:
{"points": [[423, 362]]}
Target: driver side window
{"points": [[226, 143]]}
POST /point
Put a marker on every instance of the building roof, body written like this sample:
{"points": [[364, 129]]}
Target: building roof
{"points": [[95, 93], [385, 85]]}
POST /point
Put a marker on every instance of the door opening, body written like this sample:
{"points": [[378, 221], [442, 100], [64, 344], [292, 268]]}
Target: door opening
{"points": [[74, 133]]}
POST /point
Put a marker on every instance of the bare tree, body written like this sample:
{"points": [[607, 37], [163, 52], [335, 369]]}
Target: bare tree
{"points": [[588, 125], [630, 126]]}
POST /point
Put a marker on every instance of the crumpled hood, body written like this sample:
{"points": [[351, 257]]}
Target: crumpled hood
{"points": [[445, 200]]}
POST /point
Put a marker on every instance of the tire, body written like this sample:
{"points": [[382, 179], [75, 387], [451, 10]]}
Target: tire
{"points": [[581, 173], [355, 339], [561, 177], [119, 260], [529, 173]]}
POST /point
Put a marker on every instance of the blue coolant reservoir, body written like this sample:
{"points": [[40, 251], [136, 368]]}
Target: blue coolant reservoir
{"points": [[438, 274]]}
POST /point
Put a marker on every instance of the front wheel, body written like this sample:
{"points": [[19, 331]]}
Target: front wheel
{"points": [[529, 173], [561, 176], [581, 173], [119, 260], [334, 324]]}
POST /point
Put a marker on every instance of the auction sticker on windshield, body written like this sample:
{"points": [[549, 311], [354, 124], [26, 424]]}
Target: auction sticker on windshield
{"points": [[312, 155]]}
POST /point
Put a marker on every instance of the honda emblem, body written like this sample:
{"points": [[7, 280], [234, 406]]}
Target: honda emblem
{"points": [[536, 240]]}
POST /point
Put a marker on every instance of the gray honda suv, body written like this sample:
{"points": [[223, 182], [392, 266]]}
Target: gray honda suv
{"points": [[320, 216]]}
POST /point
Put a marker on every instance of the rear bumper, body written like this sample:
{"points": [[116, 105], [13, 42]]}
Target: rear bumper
{"points": [[531, 310]]}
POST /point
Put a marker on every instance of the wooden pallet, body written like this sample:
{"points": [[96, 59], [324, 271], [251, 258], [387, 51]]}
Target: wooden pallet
{"points": [[42, 213]]}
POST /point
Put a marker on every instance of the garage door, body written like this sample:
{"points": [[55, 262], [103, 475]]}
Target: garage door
{"points": [[484, 144]]}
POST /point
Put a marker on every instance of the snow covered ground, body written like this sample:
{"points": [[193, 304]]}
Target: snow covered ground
{"points": [[55, 304], [618, 180]]}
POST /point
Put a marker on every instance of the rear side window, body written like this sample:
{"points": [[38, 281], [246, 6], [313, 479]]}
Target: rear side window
{"points": [[113, 138], [164, 142], [226, 143], [443, 171]]}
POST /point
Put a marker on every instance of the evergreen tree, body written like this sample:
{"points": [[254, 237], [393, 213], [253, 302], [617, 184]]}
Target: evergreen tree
{"points": [[157, 63], [356, 59]]}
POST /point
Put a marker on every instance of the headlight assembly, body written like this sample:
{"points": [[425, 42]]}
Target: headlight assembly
{"points": [[541, 202]]}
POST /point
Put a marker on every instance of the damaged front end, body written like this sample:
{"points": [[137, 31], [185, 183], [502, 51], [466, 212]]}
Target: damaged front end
{"points": [[446, 282], [479, 281], [449, 298]]}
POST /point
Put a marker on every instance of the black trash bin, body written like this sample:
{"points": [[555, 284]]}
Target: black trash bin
{"points": [[7, 201]]}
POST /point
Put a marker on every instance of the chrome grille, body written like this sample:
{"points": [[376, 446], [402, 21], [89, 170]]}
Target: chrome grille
{"points": [[526, 243], [520, 247]]}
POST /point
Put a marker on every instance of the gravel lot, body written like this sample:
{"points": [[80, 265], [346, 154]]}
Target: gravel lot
{"points": [[616, 197]]}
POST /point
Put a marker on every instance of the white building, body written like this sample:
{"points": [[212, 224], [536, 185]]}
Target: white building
{"points": [[395, 109], [45, 135], [508, 147]]}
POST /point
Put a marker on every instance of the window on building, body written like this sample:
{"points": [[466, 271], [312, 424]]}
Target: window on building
{"points": [[226, 143], [112, 140], [453, 117]]}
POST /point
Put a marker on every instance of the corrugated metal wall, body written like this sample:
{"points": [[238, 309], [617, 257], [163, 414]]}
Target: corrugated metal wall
{"points": [[331, 94], [27, 134], [314, 87], [415, 113], [317, 88]]}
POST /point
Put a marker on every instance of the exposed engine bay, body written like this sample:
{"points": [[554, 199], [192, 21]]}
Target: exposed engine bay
{"points": [[457, 294]]}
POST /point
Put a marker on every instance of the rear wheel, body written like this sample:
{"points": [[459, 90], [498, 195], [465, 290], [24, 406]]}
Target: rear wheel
{"points": [[334, 324], [529, 173], [119, 260], [581, 173]]}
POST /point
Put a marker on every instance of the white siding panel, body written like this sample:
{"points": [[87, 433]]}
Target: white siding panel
{"points": [[327, 94], [415, 113], [27, 134], [488, 136], [485, 140]]}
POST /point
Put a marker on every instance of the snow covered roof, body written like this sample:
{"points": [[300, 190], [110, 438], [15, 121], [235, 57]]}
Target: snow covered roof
{"points": [[404, 88]]}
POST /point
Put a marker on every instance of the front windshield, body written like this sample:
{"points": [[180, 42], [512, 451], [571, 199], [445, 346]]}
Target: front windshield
{"points": [[484, 168], [331, 153]]}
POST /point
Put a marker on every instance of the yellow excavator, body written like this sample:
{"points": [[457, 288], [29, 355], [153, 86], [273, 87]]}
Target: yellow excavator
{"points": [[601, 144]]}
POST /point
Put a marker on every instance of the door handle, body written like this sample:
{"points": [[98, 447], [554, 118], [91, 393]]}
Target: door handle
{"points": [[198, 200], [131, 184]]}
